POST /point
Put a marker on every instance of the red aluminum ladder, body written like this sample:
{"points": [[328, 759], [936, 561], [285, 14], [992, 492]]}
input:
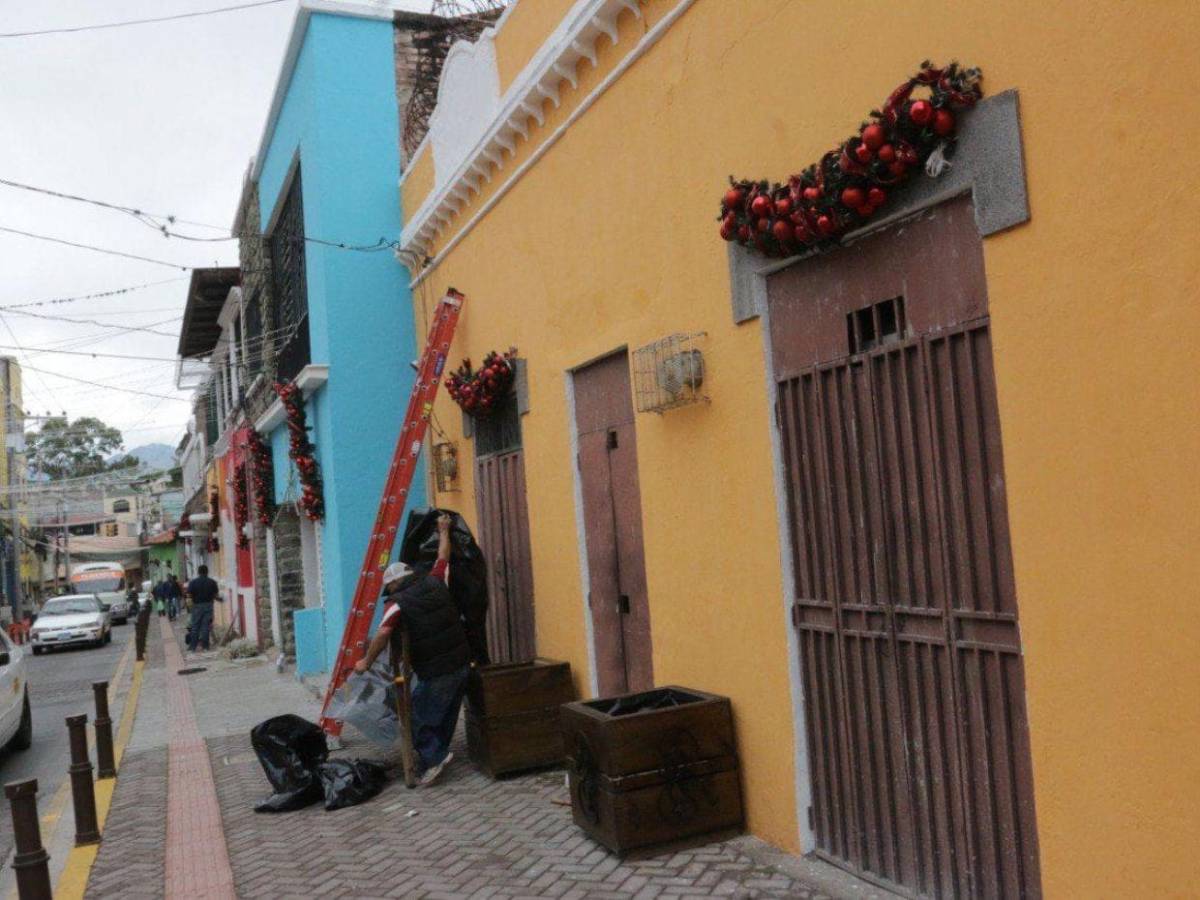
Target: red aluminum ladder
{"points": [[395, 493]]}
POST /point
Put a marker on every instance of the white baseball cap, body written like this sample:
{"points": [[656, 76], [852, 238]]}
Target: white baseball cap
{"points": [[395, 572]]}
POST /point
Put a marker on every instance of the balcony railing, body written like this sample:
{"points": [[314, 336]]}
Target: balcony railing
{"points": [[294, 355]]}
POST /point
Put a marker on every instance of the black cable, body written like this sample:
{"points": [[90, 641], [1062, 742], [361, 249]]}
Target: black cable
{"points": [[115, 327], [111, 387], [191, 15], [113, 293], [54, 240]]}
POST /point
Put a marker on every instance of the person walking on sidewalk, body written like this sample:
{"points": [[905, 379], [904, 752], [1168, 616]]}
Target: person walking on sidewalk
{"points": [[174, 597], [160, 598], [441, 657], [204, 592]]}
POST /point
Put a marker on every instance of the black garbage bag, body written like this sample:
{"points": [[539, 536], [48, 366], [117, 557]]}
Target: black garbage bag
{"points": [[468, 570], [289, 749], [348, 782]]}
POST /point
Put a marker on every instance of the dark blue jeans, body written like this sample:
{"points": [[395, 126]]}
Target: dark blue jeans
{"points": [[435, 706], [202, 617]]}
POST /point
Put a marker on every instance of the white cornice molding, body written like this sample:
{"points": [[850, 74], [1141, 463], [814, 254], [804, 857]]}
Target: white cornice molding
{"points": [[310, 378], [555, 61], [381, 10], [441, 206]]}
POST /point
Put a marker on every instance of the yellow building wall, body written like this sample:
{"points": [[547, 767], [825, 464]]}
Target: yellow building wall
{"points": [[610, 240], [418, 181], [522, 33]]}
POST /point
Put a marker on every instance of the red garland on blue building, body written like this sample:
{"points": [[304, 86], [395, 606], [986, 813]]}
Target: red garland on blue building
{"points": [[851, 182], [302, 451], [262, 476]]}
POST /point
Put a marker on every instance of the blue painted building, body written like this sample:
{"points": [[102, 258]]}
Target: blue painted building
{"points": [[337, 321]]}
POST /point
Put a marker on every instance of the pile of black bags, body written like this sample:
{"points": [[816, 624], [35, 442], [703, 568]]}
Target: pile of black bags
{"points": [[295, 757]]}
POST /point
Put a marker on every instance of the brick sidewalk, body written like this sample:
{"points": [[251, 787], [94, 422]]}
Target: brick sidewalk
{"points": [[467, 837]]}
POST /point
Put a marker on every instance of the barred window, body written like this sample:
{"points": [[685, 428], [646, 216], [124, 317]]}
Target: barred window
{"points": [[251, 349], [499, 432], [289, 320]]}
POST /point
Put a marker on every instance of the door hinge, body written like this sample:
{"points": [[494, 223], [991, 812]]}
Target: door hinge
{"points": [[623, 604], [612, 440]]}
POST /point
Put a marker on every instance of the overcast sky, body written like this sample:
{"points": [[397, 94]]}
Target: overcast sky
{"points": [[162, 117]]}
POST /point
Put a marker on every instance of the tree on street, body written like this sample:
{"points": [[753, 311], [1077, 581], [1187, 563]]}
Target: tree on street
{"points": [[65, 449]]}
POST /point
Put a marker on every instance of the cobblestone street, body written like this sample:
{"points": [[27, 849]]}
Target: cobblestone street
{"points": [[468, 837]]}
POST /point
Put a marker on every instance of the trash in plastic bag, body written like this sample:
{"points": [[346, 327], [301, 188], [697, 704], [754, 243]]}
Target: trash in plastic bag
{"points": [[368, 702], [468, 570], [289, 749], [348, 782]]}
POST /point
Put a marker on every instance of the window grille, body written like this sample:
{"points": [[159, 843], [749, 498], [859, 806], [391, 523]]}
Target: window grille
{"points": [[289, 288], [252, 350], [120, 506], [875, 325], [210, 410], [499, 432]]}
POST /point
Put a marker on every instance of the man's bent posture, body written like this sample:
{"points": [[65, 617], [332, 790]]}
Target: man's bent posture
{"points": [[420, 603]]}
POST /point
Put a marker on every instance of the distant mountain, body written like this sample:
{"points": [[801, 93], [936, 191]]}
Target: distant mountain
{"points": [[154, 457]]}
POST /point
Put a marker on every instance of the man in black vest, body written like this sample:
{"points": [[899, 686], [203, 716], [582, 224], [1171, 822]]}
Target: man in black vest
{"points": [[441, 657], [203, 591]]}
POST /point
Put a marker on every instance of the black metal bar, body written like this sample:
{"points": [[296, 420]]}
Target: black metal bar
{"points": [[83, 791], [106, 766], [140, 628], [30, 861]]}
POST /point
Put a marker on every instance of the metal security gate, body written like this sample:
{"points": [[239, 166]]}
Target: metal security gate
{"points": [[504, 535], [906, 605]]}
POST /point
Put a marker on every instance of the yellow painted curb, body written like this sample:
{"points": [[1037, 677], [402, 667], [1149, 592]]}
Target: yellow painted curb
{"points": [[73, 881]]}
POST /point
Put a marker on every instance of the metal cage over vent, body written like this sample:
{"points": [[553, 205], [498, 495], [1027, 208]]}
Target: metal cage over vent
{"points": [[669, 373]]}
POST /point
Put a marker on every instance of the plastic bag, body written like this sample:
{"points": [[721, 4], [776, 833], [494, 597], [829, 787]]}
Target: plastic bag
{"points": [[368, 702], [468, 570], [348, 782], [289, 749]]}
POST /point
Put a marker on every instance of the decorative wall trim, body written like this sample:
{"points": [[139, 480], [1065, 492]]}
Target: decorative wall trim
{"points": [[441, 206], [468, 101], [310, 378], [989, 163], [555, 61]]}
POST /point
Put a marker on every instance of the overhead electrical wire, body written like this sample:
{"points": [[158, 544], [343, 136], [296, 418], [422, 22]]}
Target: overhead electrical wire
{"points": [[72, 321], [95, 249], [128, 22], [111, 387], [113, 293]]}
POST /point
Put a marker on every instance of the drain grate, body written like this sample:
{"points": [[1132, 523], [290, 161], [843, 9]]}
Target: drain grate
{"points": [[192, 671]]}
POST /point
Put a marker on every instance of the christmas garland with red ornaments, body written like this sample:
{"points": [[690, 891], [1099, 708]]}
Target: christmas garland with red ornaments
{"points": [[302, 452], [241, 506], [853, 181], [214, 509], [479, 391], [262, 475]]}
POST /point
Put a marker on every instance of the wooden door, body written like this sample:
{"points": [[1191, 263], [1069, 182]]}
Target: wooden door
{"points": [[905, 599], [612, 513], [504, 538]]}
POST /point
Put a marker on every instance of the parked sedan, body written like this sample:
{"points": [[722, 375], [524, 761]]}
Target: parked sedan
{"points": [[118, 611], [16, 721], [71, 620]]}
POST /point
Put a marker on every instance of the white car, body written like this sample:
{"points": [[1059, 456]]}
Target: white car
{"points": [[71, 620], [16, 721]]}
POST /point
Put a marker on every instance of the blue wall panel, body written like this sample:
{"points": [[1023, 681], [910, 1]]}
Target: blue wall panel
{"points": [[340, 118]]}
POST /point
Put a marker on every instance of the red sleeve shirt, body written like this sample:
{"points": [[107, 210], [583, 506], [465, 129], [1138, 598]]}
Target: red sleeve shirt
{"points": [[393, 609]]}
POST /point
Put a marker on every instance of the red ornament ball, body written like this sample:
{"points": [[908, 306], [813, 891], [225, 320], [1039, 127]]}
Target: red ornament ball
{"points": [[943, 122], [801, 233], [825, 223], [734, 197], [920, 111], [887, 154], [876, 196], [727, 234], [761, 206], [783, 206], [763, 224], [744, 233], [782, 231], [812, 194], [874, 136], [853, 197], [863, 154]]}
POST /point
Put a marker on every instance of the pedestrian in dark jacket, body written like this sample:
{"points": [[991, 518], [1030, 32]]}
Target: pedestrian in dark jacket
{"points": [[441, 657], [204, 592]]}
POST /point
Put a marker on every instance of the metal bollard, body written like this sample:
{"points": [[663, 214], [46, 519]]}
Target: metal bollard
{"points": [[106, 767], [83, 793], [30, 861], [141, 626]]}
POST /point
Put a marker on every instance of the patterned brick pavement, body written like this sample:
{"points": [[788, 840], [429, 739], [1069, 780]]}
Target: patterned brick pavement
{"points": [[467, 837], [197, 864]]}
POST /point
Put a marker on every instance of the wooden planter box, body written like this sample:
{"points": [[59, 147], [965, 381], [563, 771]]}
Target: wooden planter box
{"points": [[512, 715], [652, 767]]}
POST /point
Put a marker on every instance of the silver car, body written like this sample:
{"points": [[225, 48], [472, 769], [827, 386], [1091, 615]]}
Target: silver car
{"points": [[69, 621]]}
